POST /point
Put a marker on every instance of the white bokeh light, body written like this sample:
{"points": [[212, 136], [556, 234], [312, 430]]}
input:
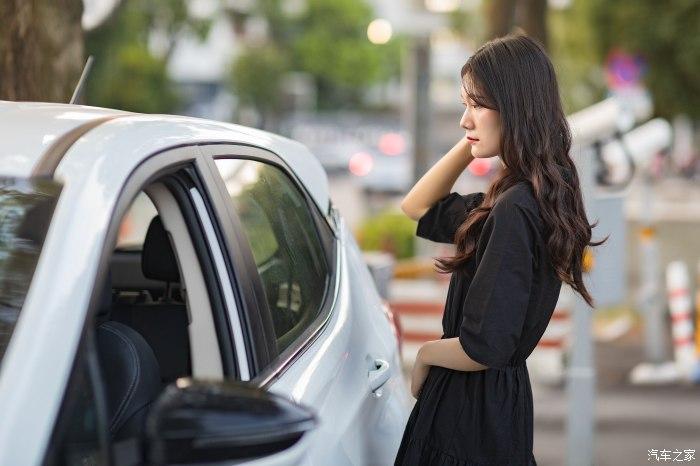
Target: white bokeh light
{"points": [[379, 31]]}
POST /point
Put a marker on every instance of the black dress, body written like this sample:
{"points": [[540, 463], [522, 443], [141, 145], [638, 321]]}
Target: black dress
{"points": [[498, 306]]}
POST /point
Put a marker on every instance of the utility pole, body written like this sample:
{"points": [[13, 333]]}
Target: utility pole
{"points": [[420, 110], [580, 375], [588, 127]]}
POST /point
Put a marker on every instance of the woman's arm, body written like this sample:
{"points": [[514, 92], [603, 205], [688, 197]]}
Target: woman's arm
{"points": [[447, 352], [438, 181]]}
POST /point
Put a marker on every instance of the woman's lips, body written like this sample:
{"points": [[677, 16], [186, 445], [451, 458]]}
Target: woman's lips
{"points": [[472, 140]]}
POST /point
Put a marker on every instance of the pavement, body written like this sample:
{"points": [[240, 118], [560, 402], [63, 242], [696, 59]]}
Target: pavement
{"points": [[629, 419]]}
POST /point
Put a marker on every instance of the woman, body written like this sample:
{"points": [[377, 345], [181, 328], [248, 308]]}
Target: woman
{"points": [[515, 245]]}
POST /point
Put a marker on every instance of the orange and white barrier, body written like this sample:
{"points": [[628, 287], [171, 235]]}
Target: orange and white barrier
{"points": [[419, 305], [695, 376], [697, 316], [680, 306]]}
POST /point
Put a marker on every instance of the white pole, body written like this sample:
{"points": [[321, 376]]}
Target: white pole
{"points": [[580, 375]]}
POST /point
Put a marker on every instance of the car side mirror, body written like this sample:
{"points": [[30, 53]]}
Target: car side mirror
{"points": [[202, 421]]}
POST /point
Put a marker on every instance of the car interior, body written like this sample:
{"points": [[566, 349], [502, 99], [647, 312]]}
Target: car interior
{"points": [[148, 331]]}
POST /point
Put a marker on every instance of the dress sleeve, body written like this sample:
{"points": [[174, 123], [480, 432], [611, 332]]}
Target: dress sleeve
{"points": [[496, 304], [441, 220]]}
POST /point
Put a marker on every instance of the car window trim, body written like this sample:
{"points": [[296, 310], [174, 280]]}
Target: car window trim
{"points": [[282, 361], [235, 323], [249, 288], [252, 152]]}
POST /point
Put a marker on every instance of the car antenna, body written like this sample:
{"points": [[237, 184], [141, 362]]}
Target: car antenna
{"points": [[81, 83]]}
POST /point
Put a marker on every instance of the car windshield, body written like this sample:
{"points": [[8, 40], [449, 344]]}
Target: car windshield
{"points": [[26, 207]]}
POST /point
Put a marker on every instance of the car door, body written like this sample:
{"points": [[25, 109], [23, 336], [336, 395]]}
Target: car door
{"points": [[333, 348], [182, 202]]}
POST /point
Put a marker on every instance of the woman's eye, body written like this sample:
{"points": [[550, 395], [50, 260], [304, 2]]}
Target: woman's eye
{"points": [[476, 106]]}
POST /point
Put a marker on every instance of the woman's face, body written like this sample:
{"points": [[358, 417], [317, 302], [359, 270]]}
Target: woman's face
{"points": [[482, 126]]}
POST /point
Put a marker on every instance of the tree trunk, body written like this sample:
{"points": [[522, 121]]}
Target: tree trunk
{"points": [[41, 49], [529, 15], [501, 14], [534, 20]]}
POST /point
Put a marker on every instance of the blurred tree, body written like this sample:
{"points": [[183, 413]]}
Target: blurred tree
{"points": [[570, 35], [528, 15], [41, 49], [577, 62], [131, 50], [328, 40], [666, 35], [256, 78], [501, 16], [388, 231], [334, 48]]}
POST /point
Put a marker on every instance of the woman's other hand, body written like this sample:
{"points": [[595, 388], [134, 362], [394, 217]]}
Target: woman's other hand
{"points": [[418, 375]]}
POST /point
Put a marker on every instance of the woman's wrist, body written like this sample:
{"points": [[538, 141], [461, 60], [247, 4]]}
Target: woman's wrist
{"points": [[462, 152], [420, 356]]}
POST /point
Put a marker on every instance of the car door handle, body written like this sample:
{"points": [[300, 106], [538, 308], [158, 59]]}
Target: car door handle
{"points": [[378, 376]]}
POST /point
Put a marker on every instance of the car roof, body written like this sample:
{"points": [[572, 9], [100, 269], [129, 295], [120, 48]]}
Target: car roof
{"points": [[32, 129]]}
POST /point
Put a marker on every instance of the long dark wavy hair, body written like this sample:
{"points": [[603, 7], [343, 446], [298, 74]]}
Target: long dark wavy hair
{"points": [[514, 76]]}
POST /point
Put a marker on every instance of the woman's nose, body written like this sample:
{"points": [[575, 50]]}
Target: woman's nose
{"points": [[466, 122]]}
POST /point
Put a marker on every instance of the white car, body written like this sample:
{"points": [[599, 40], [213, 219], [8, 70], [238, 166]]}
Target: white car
{"points": [[177, 290]]}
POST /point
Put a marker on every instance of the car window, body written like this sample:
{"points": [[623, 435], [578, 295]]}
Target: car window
{"points": [[26, 207], [286, 247]]}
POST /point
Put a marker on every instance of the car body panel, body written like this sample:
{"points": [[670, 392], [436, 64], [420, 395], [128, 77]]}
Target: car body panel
{"points": [[32, 127], [363, 430], [36, 126], [331, 375]]}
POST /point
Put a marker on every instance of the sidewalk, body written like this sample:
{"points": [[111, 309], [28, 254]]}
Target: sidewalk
{"points": [[629, 419]]}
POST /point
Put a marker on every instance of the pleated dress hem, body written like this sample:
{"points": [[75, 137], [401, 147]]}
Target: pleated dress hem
{"points": [[420, 452]]}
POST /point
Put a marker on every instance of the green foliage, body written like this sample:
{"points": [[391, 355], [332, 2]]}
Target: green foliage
{"points": [[256, 75], [389, 231], [126, 74], [328, 41], [133, 80], [344, 61], [334, 48], [666, 35], [577, 62]]}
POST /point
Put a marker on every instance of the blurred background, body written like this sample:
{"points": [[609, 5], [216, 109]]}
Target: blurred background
{"points": [[372, 88]]}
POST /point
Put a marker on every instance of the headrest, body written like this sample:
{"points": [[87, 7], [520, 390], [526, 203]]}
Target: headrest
{"points": [[158, 259], [130, 371]]}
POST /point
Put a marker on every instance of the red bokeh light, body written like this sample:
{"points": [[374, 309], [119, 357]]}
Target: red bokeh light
{"points": [[361, 163], [480, 167], [392, 143]]}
